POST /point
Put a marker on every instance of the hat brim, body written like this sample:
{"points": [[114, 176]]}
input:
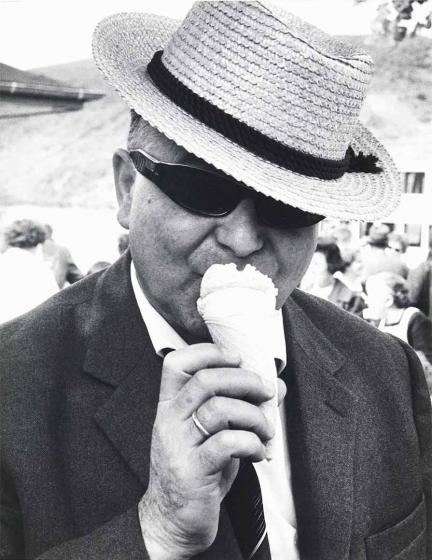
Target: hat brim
{"points": [[124, 43]]}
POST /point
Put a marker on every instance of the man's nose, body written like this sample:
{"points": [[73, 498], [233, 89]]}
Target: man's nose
{"points": [[241, 231]]}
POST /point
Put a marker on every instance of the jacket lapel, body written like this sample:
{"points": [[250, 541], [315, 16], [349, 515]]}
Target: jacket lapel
{"points": [[321, 434], [120, 354]]}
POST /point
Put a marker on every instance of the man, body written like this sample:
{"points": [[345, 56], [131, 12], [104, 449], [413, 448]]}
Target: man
{"points": [[127, 433]]}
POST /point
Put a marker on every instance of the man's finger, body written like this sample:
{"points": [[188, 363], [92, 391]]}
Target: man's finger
{"points": [[217, 451], [228, 382], [180, 365], [223, 413]]}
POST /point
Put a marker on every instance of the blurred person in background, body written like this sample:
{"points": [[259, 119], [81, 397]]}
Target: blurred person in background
{"points": [[420, 284], [322, 278], [352, 271], [376, 256], [398, 244], [344, 240], [389, 308], [123, 243], [60, 260], [25, 279]]}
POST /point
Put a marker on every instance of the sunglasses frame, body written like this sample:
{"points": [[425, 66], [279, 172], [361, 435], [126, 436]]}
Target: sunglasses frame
{"points": [[154, 170]]}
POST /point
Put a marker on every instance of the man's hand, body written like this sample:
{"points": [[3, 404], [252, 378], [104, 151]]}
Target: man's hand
{"points": [[189, 473]]}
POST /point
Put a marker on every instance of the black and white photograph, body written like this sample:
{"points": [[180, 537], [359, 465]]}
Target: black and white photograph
{"points": [[216, 280]]}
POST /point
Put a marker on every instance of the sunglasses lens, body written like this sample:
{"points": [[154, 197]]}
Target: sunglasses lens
{"points": [[279, 215], [199, 191], [209, 194]]}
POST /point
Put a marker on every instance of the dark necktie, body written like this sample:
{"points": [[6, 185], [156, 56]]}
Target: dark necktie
{"points": [[244, 506]]}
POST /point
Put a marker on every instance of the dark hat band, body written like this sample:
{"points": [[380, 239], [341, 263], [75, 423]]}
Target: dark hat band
{"points": [[241, 133]]}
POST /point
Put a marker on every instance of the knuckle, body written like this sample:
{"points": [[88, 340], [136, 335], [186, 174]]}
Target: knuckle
{"points": [[201, 379], [205, 418], [214, 407], [203, 382]]}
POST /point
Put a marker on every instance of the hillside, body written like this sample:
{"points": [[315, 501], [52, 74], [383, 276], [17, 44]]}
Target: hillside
{"points": [[64, 159]]}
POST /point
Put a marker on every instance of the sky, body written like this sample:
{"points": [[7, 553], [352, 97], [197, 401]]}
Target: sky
{"points": [[38, 33]]}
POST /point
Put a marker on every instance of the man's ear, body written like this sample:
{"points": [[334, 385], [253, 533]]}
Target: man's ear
{"points": [[124, 178]]}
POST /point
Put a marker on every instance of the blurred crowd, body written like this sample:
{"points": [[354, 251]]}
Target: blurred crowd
{"points": [[369, 278], [33, 266]]}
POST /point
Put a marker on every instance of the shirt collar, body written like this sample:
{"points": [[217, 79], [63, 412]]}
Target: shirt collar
{"points": [[163, 336], [161, 333]]}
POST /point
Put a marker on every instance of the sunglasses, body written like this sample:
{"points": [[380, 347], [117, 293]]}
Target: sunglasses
{"points": [[214, 194]]}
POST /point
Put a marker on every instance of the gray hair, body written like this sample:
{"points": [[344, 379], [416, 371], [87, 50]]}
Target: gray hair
{"points": [[143, 135]]}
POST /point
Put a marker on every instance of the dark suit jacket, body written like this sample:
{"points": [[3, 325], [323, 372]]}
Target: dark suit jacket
{"points": [[80, 384]]}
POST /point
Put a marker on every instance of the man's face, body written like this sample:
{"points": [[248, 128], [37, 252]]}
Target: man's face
{"points": [[172, 248]]}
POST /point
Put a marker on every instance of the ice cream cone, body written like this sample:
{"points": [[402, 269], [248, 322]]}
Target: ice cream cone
{"points": [[239, 309]]}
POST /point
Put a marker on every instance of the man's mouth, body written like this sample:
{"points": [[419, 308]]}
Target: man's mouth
{"points": [[266, 270]]}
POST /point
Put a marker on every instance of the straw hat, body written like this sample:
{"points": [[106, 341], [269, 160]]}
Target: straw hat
{"points": [[260, 94]]}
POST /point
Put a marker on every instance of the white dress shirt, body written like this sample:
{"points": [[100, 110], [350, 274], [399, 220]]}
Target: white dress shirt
{"points": [[274, 476]]}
